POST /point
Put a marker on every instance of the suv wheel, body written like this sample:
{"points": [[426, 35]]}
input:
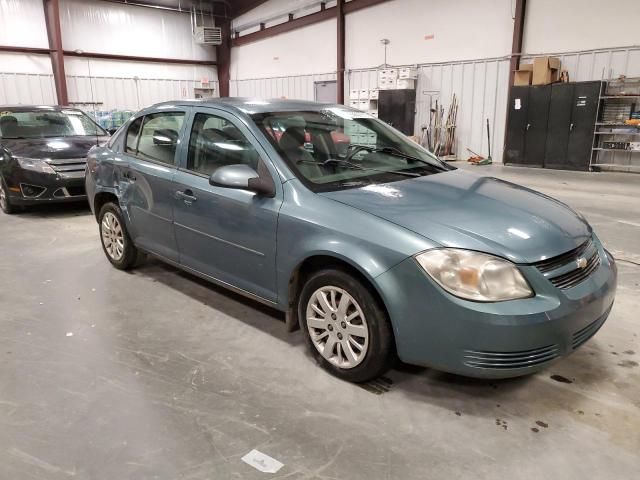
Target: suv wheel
{"points": [[347, 330], [5, 201], [116, 242]]}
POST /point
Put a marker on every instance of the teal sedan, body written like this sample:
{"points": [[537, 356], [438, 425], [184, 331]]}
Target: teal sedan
{"points": [[372, 246]]}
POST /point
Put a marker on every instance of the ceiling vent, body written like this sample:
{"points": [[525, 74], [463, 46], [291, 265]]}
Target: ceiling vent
{"points": [[208, 35]]}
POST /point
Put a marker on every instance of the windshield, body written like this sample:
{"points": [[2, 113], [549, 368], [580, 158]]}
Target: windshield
{"points": [[47, 123], [341, 148]]}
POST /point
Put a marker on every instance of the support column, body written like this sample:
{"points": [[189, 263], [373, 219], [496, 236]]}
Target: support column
{"points": [[341, 47], [54, 33], [516, 50], [223, 54]]}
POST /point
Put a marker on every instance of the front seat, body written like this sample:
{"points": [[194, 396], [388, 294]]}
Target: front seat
{"points": [[8, 126], [292, 143]]}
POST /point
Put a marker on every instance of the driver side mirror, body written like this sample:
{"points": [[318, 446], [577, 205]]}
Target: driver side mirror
{"points": [[243, 177]]}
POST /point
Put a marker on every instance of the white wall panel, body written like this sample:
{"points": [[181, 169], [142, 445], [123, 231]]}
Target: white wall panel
{"points": [[19, 62], [110, 93], [569, 25], [301, 87], [481, 90], [461, 29], [305, 51], [22, 23], [96, 26], [28, 89]]}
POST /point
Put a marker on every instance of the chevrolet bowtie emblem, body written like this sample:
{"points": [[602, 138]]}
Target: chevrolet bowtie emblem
{"points": [[581, 262]]}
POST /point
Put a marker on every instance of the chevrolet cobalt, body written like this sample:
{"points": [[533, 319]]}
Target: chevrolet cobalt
{"points": [[374, 249]]}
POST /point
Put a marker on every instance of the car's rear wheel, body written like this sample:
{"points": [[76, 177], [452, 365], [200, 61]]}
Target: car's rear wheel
{"points": [[116, 242], [347, 329], [5, 200]]}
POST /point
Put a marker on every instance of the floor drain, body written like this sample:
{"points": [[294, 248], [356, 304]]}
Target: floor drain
{"points": [[377, 386]]}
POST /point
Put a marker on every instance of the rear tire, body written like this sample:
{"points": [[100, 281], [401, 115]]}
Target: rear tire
{"points": [[5, 200], [116, 242], [347, 330]]}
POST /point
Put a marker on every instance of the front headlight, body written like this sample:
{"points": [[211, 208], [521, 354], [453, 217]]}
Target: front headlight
{"points": [[35, 165], [474, 276]]}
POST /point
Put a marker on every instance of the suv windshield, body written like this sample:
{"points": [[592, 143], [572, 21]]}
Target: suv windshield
{"points": [[341, 148], [47, 123]]}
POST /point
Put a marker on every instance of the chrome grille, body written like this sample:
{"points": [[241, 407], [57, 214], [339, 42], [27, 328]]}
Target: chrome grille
{"points": [[502, 360], [574, 277], [68, 165], [559, 261]]}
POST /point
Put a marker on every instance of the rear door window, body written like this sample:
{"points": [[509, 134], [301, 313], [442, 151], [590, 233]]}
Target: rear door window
{"points": [[159, 137]]}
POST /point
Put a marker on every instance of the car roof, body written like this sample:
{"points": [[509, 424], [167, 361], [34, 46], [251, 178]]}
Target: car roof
{"points": [[250, 105], [31, 108]]}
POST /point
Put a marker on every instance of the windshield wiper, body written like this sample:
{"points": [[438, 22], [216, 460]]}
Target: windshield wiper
{"points": [[355, 166], [389, 151]]}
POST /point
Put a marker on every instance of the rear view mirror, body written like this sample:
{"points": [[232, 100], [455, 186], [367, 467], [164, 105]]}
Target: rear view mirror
{"points": [[165, 136], [243, 177]]}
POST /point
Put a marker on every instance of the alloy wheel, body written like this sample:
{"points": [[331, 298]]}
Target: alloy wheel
{"points": [[3, 197], [337, 327], [112, 236]]}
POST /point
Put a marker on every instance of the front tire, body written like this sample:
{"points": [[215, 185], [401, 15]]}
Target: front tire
{"points": [[116, 242], [347, 330], [5, 200]]}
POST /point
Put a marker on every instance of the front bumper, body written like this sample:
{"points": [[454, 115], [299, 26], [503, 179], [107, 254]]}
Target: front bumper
{"points": [[32, 188], [494, 340]]}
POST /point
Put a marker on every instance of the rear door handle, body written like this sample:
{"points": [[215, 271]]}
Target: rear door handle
{"points": [[187, 196], [528, 126]]}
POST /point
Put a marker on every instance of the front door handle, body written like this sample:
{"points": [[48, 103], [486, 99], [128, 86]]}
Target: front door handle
{"points": [[528, 126], [187, 196]]}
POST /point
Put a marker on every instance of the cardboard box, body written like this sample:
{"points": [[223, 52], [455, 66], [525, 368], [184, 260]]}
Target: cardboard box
{"points": [[522, 77], [404, 84], [408, 73], [374, 94], [364, 94], [545, 70], [388, 74], [386, 84]]}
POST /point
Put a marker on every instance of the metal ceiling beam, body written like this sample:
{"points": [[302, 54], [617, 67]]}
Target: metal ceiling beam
{"points": [[27, 50], [133, 58], [247, 8], [304, 21], [54, 34]]}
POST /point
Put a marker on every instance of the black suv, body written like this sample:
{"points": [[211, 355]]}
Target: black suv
{"points": [[43, 153]]}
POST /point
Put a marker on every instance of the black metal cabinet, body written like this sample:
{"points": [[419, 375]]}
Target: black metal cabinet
{"points": [[527, 128], [398, 109], [516, 128], [552, 126], [536, 129], [574, 107]]}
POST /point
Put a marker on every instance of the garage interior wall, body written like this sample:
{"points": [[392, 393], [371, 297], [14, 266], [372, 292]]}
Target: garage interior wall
{"points": [[102, 27], [460, 47]]}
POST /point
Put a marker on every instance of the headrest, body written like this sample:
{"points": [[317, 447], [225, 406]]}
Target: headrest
{"points": [[165, 136], [292, 138]]}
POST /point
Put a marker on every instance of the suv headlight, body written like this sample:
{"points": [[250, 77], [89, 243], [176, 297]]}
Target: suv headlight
{"points": [[474, 276], [35, 164]]}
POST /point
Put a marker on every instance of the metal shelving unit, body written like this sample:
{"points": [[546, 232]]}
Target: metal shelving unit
{"points": [[619, 102]]}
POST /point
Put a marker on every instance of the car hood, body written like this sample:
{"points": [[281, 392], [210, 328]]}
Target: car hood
{"points": [[463, 210], [58, 147]]}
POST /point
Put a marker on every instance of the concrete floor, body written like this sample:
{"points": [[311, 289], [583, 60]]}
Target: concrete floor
{"points": [[156, 375]]}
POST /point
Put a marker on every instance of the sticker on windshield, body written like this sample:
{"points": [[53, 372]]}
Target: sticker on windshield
{"points": [[3, 114], [348, 114]]}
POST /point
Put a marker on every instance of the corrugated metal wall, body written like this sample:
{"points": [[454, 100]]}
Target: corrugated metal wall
{"points": [[108, 92], [300, 87], [480, 87]]}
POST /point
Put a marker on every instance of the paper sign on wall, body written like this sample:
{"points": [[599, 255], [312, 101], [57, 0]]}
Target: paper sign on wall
{"points": [[518, 104]]}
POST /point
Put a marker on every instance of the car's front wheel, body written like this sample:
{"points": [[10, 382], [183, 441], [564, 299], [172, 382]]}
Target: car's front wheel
{"points": [[347, 329], [5, 201], [116, 242]]}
